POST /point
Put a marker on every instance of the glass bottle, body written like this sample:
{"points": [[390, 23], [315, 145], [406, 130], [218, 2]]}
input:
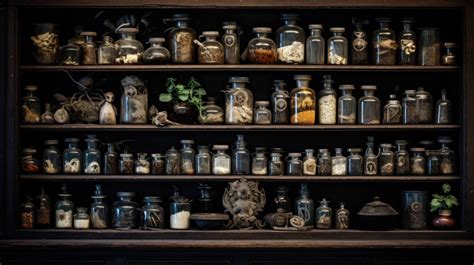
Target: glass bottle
{"points": [[239, 102], [369, 106], [92, 156], [384, 43], [303, 102], [231, 42], [338, 164], [221, 161], [210, 51], [355, 162], [432, 162], [43, 210], [51, 157], [261, 49], [424, 106], [370, 159], [72, 157], [240, 157], [29, 163], [70, 54], [450, 57], [386, 160], [106, 51], [309, 163], [180, 211], [27, 213], [342, 217], [410, 115], [88, 48], [447, 157], [304, 206], [346, 106], [81, 218], [276, 166], [294, 165], [64, 209], [392, 111], [124, 211], [290, 40], [31, 107], [282, 200], [444, 113], [111, 160], [156, 53], [324, 215], [402, 158], [142, 165], [187, 157], [337, 47], [259, 162], [180, 39], [126, 164], [327, 102], [324, 162], [206, 204], [407, 43], [262, 115], [99, 211], [173, 162], [47, 116], [417, 162], [315, 45], [279, 101], [128, 49], [157, 164], [134, 101], [203, 160], [359, 42], [211, 113], [46, 43], [429, 47], [152, 214]]}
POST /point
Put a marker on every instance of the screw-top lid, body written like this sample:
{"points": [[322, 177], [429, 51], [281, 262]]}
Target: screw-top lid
{"points": [[31, 88], [315, 26], [210, 33], [368, 87], [277, 150], [262, 103], [238, 79], [289, 16], [407, 20], [127, 30], [354, 150], [261, 30], [51, 142], [383, 19], [156, 40], [220, 147], [98, 193], [89, 33], [450, 45], [229, 25], [417, 149], [294, 154], [386, 145], [187, 141], [338, 29], [260, 149], [302, 77], [125, 194], [203, 147], [151, 199], [72, 140], [445, 140]]}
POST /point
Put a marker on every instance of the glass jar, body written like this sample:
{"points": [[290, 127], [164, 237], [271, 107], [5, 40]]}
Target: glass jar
{"points": [[324, 215], [210, 51], [111, 160], [211, 113], [239, 102], [259, 162], [43, 210], [369, 106], [315, 45], [128, 49], [180, 39], [402, 158], [156, 53], [407, 43], [355, 162], [282, 200], [81, 219], [304, 206], [303, 102], [99, 211], [27, 213], [51, 157], [180, 212], [203, 160], [276, 166], [294, 165], [31, 107], [126, 164], [157, 164], [231, 42], [262, 115], [70, 54], [449, 58], [324, 162], [424, 106], [309, 163], [370, 159], [409, 102], [124, 211], [432, 162], [346, 106], [261, 49], [417, 162], [187, 157], [47, 116], [342, 217], [386, 160], [46, 43], [152, 214], [290, 40], [240, 157], [206, 205], [92, 156], [338, 164], [29, 163], [64, 209], [88, 48], [444, 113], [134, 101], [72, 157], [142, 165], [359, 42], [327, 102], [384, 43], [221, 161], [392, 111], [337, 47], [429, 47], [173, 162], [447, 157], [279, 101], [106, 51]]}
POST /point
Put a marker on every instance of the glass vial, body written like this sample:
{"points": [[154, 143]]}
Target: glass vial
{"points": [[370, 159], [324, 162], [206, 204], [342, 217], [294, 165], [346, 106], [359, 42], [180, 39], [72, 157], [402, 158], [355, 162], [392, 111], [111, 160], [279, 102], [51, 157], [384, 43], [429, 47], [432, 162], [262, 115], [315, 45], [239, 102], [27, 213], [259, 162], [282, 200], [409, 103], [309, 163], [303, 102], [324, 215], [240, 157], [64, 209], [447, 156], [231, 42], [92, 157], [290, 40], [187, 157], [88, 48], [152, 214], [418, 162], [173, 162], [31, 107], [99, 211], [47, 116], [81, 218], [424, 106], [407, 43], [106, 51], [386, 160], [327, 102], [276, 166], [261, 49], [337, 47], [221, 161], [449, 58], [338, 164], [43, 210], [444, 113], [203, 161], [369, 106], [142, 165], [304, 206]]}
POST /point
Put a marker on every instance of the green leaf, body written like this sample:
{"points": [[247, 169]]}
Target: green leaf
{"points": [[166, 97], [437, 196], [183, 97], [446, 188], [185, 92], [201, 91], [452, 200], [180, 87], [435, 203], [433, 209]]}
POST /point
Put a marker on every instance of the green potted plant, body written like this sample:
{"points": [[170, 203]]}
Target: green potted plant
{"points": [[443, 204]]}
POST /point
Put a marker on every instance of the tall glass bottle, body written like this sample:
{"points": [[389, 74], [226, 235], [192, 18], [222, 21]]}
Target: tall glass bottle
{"points": [[276, 166], [294, 165], [240, 157], [402, 158], [43, 210], [424, 106], [359, 42], [231, 42], [444, 113], [432, 162], [338, 164], [238, 102], [410, 115], [327, 102], [106, 51], [407, 43], [369, 106], [31, 107], [392, 111], [324, 215], [337, 47], [279, 102], [99, 211], [303, 101], [384, 43], [210, 51], [324, 163], [355, 162], [128, 49], [304, 206], [92, 157], [187, 157], [370, 159], [126, 164], [29, 163], [346, 106], [447, 156], [72, 157], [111, 159], [64, 209], [315, 45], [282, 201], [27, 213], [88, 48], [309, 163], [180, 39], [386, 160], [429, 47], [261, 49], [290, 40], [51, 157]]}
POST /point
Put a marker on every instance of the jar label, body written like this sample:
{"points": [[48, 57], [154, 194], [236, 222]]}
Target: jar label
{"points": [[230, 40], [359, 43], [281, 105]]}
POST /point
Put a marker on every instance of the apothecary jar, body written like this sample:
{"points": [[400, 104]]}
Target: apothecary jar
{"points": [[180, 39], [239, 102], [261, 49], [210, 51], [125, 211], [290, 40], [302, 102], [51, 157], [211, 113], [152, 214], [337, 47], [384, 43], [129, 50], [156, 53]]}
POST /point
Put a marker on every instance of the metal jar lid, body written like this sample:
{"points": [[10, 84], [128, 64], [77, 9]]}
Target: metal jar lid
{"points": [[377, 208]]}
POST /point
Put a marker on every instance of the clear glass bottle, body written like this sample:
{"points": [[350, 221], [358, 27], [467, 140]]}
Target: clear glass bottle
{"points": [[327, 102], [180, 211], [444, 113], [70, 54], [392, 111], [386, 160], [369, 106], [240, 157], [324, 215], [99, 211], [276, 166], [88, 48], [432, 162], [359, 42], [231, 42], [72, 157], [43, 210], [106, 51], [355, 162], [315, 45], [210, 51], [294, 165], [304, 206], [429, 47], [128, 49], [29, 163], [152, 214], [338, 164], [447, 156], [64, 209], [370, 159], [156, 53], [125, 212], [126, 164], [309, 163], [342, 217], [449, 58], [261, 49], [346, 106], [417, 161], [27, 213], [31, 107], [173, 161], [402, 158], [187, 157], [282, 200], [279, 101], [337, 47], [221, 162], [303, 102], [92, 157], [407, 43], [51, 157], [81, 218], [261, 114], [180, 39], [259, 162], [47, 116], [142, 165], [324, 163], [239, 102], [111, 159], [211, 113], [410, 115], [290, 40], [424, 106], [384, 43], [203, 160], [157, 164], [46, 43], [134, 101]]}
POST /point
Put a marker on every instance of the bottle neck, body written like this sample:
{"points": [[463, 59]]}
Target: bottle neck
{"points": [[111, 149], [316, 32], [89, 39], [289, 22], [261, 35], [72, 145], [369, 93], [401, 147], [128, 36], [337, 34], [407, 27], [156, 45], [47, 107], [347, 92], [384, 25], [182, 24], [98, 200], [210, 38], [229, 32], [126, 198], [203, 150], [92, 145], [237, 85], [302, 83]]}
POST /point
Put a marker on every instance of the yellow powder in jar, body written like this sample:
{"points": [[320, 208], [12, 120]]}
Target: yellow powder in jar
{"points": [[304, 117]]}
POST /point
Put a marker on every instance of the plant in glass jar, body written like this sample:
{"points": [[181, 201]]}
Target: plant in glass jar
{"points": [[443, 204]]}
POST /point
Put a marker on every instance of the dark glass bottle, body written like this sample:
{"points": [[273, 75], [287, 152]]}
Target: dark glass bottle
{"points": [[31, 107], [324, 162], [51, 157], [276, 166], [294, 165], [240, 157], [355, 162], [444, 113], [304, 206], [280, 104], [206, 204], [402, 158], [447, 156], [407, 43], [384, 44], [359, 42], [231, 42], [410, 115], [449, 58], [324, 215], [157, 164], [432, 162], [290, 40], [111, 160], [126, 164], [88, 48], [370, 159], [99, 211], [27, 213], [282, 200], [92, 157], [43, 210], [386, 160], [29, 163], [72, 157], [124, 211]]}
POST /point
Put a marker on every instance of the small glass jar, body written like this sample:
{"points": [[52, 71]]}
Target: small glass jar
{"points": [[43, 210], [418, 162], [259, 162], [239, 102], [342, 217], [92, 157], [384, 43], [337, 47], [173, 162], [432, 162], [262, 115], [369, 106], [410, 115], [142, 165], [444, 113], [309, 163], [449, 58], [72, 157], [279, 101], [106, 51], [315, 45], [424, 106], [99, 211], [27, 213], [111, 159], [324, 215], [290, 40], [324, 162], [392, 111], [327, 102], [81, 219], [88, 48], [126, 164], [355, 162], [64, 209], [47, 116], [128, 49], [157, 164], [152, 214], [29, 163], [261, 49], [203, 160], [304, 206], [125, 211], [187, 157], [407, 43], [46, 43], [386, 160], [31, 107], [240, 157], [276, 166], [429, 47], [282, 200], [370, 159], [70, 54], [294, 165], [180, 39], [359, 42], [447, 157], [211, 113], [210, 51], [156, 53], [231, 41], [221, 161], [402, 158], [180, 212], [51, 157], [338, 164], [346, 106], [134, 101], [303, 102]]}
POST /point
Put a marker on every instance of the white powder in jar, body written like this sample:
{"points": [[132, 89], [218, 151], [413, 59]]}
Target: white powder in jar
{"points": [[327, 110], [180, 220], [81, 223], [63, 219]]}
